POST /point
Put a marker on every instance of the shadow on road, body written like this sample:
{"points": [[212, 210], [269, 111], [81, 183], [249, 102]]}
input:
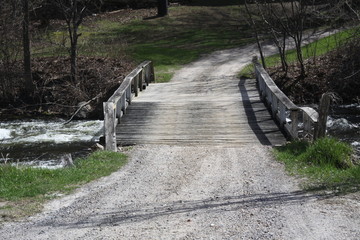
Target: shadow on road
{"points": [[129, 214]]}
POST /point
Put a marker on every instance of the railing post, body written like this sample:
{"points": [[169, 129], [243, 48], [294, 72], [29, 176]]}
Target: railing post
{"points": [[118, 113], [109, 126], [323, 114], [282, 114], [152, 72], [123, 105], [128, 94], [136, 85], [306, 123], [294, 123], [141, 79], [148, 70], [274, 105]]}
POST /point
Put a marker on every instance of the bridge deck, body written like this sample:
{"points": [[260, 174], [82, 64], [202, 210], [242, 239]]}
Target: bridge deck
{"points": [[215, 111]]}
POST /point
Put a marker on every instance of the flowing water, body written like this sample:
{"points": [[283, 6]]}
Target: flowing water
{"points": [[43, 143], [344, 123]]}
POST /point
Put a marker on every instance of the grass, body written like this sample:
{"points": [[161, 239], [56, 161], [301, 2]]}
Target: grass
{"points": [[24, 189], [326, 164], [312, 50], [177, 39]]}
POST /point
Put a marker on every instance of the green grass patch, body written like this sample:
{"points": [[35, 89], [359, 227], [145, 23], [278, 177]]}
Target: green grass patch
{"points": [[312, 50], [18, 183], [23, 190], [326, 164]]}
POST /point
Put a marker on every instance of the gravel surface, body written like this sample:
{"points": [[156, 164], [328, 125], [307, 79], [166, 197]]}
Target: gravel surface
{"points": [[196, 192], [182, 192]]}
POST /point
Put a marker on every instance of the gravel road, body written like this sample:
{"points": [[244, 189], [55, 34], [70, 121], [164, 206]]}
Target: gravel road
{"points": [[182, 192], [196, 192]]}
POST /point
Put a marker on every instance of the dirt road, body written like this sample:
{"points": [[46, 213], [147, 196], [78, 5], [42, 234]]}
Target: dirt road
{"points": [[181, 192], [196, 192]]}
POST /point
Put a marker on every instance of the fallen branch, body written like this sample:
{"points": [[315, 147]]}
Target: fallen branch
{"points": [[352, 75], [37, 105], [82, 105]]}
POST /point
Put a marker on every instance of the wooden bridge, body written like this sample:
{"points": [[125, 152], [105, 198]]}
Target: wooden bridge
{"points": [[206, 107], [230, 113]]}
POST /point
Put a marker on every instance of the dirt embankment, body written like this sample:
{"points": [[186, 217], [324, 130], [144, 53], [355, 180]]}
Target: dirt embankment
{"points": [[337, 71]]}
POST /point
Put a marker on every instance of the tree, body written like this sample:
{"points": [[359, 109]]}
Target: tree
{"points": [[29, 86], [10, 48], [162, 8], [255, 27], [283, 20], [73, 12]]}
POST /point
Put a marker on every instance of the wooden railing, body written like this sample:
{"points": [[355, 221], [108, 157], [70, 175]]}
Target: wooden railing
{"points": [[117, 104], [298, 122]]}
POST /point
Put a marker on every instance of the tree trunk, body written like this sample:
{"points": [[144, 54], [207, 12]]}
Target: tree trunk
{"points": [[162, 8], [255, 28], [73, 61], [73, 19], [29, 86]]}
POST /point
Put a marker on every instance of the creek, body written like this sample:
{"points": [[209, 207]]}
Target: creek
{"points": [[41, 143], [344, 123]]}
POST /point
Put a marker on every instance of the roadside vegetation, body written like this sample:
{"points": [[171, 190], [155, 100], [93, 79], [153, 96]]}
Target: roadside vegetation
{"points": [[23, 189], [312, 50], [306, 72], [326, 164]]}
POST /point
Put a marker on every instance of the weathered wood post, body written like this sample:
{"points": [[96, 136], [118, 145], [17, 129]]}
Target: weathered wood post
{"points": [[109, 124], [294, 123], [136, 85], [324, 105], [141, 79], [152, 72]]}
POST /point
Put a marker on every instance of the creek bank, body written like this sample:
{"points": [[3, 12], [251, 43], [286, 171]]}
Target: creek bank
{"points": [[55, 94]]}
